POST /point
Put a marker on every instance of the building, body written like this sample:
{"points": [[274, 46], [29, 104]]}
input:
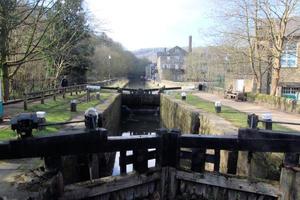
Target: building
{"points": [[289, 81], [151, 71], [171, 63]]}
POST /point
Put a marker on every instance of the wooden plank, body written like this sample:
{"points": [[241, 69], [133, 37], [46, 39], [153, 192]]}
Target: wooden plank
{"points": [[217, 160], [232, 162], [233, 143], [198, 160], [231, 183], [122, 162], [107, 185]]}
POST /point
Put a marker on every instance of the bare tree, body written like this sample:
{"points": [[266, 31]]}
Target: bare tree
{"points": [[277, 16], [23, 26]]}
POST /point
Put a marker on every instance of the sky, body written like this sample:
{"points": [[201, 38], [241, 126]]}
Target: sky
{"points": [[140, 24]]}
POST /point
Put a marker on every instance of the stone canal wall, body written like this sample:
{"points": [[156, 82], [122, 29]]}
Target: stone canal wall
{"points": [[174, 114], [111, 114]]}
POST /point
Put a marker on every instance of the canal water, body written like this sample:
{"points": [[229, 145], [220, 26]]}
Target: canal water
{"points": [[137, 123]]}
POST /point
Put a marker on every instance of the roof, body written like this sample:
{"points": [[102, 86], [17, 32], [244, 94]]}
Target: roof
{"points": [[290, 84], [173, 51]]}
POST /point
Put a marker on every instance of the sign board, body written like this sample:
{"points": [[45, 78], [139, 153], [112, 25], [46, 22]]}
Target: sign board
{"points": [[93, 87]]}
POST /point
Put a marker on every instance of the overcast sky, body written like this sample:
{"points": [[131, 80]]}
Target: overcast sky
{"points": [[153, 23]]}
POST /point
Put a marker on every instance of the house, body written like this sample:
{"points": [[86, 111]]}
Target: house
{"points": [[151, 71], [170, 64], [289, 81]]}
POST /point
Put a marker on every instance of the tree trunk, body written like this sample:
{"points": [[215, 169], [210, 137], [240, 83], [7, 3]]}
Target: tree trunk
{"points": [[5, 82], [275, 76], [259, 84]]}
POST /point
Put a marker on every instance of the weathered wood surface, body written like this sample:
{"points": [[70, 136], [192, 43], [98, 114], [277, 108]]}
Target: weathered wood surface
{"points": [[108, 185], [230, 183], [169, 183]]}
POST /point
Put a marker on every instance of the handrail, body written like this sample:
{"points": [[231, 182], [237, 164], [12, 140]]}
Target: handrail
{"points": [[74, 142]]}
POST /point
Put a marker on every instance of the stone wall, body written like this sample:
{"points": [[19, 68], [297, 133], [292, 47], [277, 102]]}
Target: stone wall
{"points": [[274, 102], [111, 114], [175, 114]]}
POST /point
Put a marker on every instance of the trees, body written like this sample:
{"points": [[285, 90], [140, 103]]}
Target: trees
{"points": [[258, 29], [49, 36], [277, 16], [67, 42], [23, 26], [110, 59]]}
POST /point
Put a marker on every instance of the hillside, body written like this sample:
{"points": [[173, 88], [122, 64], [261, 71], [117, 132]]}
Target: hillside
{"points": [[149, 53]]}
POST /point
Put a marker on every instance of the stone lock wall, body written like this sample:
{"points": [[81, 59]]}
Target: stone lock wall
{"points": [[174, 114]]}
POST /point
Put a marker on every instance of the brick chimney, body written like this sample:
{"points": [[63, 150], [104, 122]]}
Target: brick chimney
{"points": [[190, 44]]}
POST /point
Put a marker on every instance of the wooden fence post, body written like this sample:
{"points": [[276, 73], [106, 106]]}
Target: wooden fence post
{"points": [[25, 101], [198, 160], [232, 162], [217, 160], [54, 95], [88, 95], [140, 163], [64, 93], [42, 97], [169, 148], [122, 162]]}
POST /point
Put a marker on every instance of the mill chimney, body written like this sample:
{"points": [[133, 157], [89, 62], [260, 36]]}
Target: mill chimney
{"points": [[190, 44]]}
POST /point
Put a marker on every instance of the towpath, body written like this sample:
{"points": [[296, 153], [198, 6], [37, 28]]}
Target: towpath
{"points": [[254, 108]]}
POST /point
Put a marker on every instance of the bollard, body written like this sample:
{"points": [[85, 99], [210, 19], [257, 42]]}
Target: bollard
{"points": [[41, 117], [218, 106], [91, 118], [252, 121], [183, 96], [98, 95], [73, 105], [267, 120]]}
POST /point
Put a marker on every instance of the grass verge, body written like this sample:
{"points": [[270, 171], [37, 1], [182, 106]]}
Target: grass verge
{"points": [[237, 118], [56, 111]]}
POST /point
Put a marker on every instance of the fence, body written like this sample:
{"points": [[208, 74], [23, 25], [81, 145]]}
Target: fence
{"points": [[168, 147], [42, 95]]}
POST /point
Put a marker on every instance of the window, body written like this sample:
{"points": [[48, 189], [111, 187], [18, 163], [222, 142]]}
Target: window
{"points": [[291, 92], [289, 56]]}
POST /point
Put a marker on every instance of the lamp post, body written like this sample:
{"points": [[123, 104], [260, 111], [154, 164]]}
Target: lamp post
{"points": [[225, 70], [109, 70]]}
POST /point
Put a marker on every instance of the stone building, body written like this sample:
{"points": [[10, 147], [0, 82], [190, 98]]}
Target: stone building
{"points": [[289, 82], [170, 64]]}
